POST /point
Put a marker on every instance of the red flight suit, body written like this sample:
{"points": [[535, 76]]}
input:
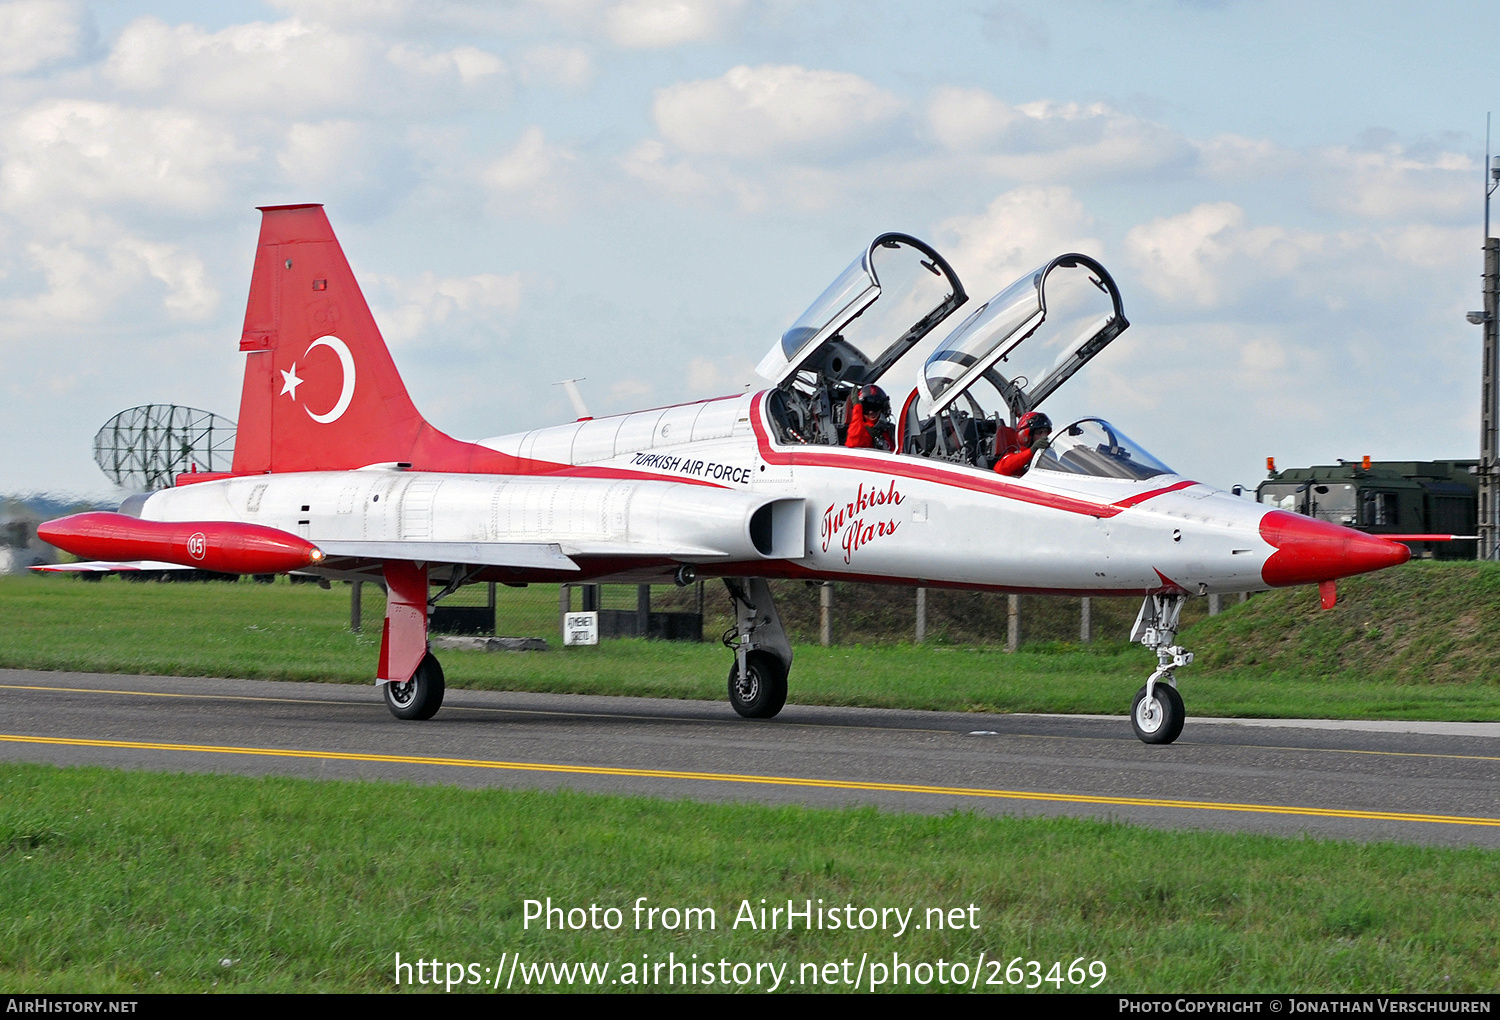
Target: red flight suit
{"points": [[865, 432]]}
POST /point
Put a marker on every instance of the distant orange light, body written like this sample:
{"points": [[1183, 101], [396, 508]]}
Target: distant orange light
{"points": [[1366, 462], [1270, 463]]}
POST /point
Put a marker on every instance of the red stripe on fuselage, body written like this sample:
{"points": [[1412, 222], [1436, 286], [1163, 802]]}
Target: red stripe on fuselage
{"points": [[852, 460]]}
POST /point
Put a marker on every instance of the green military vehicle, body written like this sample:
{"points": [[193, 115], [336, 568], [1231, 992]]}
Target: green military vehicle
{"points": [[1390, 497]]}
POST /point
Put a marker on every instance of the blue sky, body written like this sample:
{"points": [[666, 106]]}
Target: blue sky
{"points": [[646, 192]]}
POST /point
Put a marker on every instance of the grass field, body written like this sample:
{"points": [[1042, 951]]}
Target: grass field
{"points": [[1421, 642], [134, 882]]}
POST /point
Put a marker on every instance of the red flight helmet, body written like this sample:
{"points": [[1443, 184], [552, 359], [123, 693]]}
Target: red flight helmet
{"points": [[1033, 424], [873, 399]]}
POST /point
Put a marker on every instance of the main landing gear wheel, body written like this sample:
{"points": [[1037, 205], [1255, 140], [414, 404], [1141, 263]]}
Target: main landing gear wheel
{"points": [[1158, 719], [761, 692], [421, 696]]}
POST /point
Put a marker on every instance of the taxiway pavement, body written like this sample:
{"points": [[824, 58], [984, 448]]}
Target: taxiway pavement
{"points": [[1434, 783]]}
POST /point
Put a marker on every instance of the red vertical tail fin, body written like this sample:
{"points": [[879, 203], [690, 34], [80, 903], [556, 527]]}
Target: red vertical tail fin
{"points": [[321, 391]]}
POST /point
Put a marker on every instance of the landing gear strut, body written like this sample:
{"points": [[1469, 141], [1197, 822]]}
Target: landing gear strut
{"points": [[762, 654], [409, 676], [1157, 714]]}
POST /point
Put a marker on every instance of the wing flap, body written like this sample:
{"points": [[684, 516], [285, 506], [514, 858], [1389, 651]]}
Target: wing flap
{"points": [[529, 555]]}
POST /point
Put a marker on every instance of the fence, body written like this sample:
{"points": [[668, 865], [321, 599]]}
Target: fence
{"points": [[836, 613]]}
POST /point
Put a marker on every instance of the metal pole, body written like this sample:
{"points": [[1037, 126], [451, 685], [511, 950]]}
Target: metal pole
{"points": [[921, 615], [1086, 620], [564, 605], [1489, 400], [356, 604], [643, 610], [825, 614], [1012, 622], [1489, 409]]}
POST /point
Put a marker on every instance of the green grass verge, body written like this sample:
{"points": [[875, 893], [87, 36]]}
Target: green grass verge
{"points": [[1422, 642], [114, 881]]}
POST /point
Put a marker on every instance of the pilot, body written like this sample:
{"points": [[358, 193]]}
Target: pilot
{"points": [[1032, 434], [870, 419]]}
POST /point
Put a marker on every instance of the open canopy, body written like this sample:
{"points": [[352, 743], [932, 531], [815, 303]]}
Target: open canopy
{"points": [[1031, 337], [891, 296]]}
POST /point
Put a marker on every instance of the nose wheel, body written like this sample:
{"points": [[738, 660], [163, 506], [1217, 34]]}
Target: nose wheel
{"points": [[1157, 714]]}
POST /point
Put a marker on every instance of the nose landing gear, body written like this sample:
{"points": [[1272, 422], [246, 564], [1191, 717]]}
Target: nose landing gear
{"points": [[762, 653], [1157, 713]]}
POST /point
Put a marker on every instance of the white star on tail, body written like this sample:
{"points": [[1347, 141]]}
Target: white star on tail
{"points": [[291, 382]]}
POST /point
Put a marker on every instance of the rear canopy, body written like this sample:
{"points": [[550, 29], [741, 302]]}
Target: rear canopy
{"points": [[891, 296]]}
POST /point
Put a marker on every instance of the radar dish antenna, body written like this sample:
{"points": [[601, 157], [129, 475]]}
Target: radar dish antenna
{"points": [[145, 448]]}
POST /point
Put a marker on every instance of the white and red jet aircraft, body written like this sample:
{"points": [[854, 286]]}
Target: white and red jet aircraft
{"points": [[336, 473]]}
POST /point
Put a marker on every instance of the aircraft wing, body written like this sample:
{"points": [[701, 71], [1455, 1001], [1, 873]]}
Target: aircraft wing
{"points": [[529, 555], [109, 567]]}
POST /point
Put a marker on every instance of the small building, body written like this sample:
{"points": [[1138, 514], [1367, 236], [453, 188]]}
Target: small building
{"points": [[1390, 497], [20, 549]]}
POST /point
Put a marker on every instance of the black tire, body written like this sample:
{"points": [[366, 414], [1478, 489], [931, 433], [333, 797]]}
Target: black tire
{"points": [[762, 691], [421, 696], [1158, 721]]}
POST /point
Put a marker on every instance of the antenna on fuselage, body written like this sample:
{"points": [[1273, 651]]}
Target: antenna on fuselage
{"points": [[570, 387]]}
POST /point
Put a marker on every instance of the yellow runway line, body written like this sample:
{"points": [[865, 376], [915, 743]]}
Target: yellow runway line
{"points": [[503, 710], [791, 781]]}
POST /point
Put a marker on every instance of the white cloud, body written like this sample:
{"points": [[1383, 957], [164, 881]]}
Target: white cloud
{"points": [[968, 119], [190, 295], [95, 267], [1017, 232], [287, 67], [71, 151], [1207, 256], [415, 17], [627, 390], [34, 33], [652, 24], [428, 300], [468, 63], [568, 67], [320, 153], [530, 170], [1431, 247], [1231, 157], [711, 377], [1047, 141], [1392, 182], [773, 109], [650, 162], [338, 160]]}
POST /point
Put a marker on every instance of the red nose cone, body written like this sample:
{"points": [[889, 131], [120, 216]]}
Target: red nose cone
{"points": [[1310, 551]]}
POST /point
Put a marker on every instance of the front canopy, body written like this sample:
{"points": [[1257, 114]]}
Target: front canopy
{"points": [[890, 297], [1094, 447]]}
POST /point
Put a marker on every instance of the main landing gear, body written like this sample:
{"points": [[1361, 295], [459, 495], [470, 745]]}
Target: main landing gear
{"points": [[1157, 714], [762, 654], [421, 696], [409, 676]]}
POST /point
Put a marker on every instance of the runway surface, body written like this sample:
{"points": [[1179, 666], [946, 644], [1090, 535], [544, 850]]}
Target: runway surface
{"points": [[1434, 783]]}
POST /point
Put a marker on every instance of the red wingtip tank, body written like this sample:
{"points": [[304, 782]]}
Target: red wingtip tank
{"points": [[228, 547]]}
